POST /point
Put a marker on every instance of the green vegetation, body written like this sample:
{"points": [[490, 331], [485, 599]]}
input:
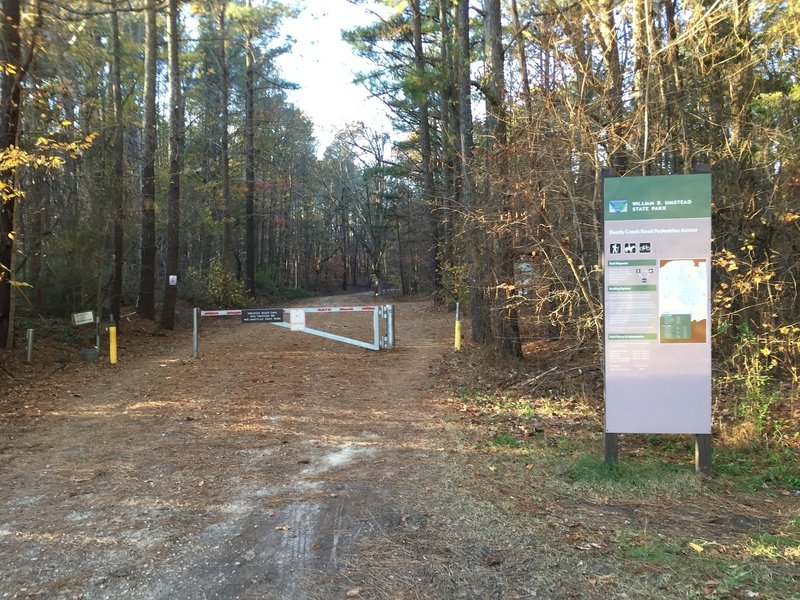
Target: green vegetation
{"points": [[757, 467], [647, 525]]}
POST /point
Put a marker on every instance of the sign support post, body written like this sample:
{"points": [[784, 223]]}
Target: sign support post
{"points": [[702, 454]]}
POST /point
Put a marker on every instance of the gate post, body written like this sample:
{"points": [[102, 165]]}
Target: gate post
{"points": [[390, 326], [387, 316], [196, 332]]}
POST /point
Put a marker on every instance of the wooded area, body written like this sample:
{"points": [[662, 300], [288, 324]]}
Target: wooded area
{"points": [[142, 139]]}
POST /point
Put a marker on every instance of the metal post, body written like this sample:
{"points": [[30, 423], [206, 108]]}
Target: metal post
{"points": [[29, 345], [97, 334], [390, 326], [376, 327], [196, 332]]}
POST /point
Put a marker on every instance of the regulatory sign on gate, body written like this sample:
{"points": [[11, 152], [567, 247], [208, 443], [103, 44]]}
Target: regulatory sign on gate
{"points": [[262, 315]]}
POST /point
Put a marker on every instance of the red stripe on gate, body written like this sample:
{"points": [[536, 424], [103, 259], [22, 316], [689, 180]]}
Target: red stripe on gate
{"points": [[336, 309]]}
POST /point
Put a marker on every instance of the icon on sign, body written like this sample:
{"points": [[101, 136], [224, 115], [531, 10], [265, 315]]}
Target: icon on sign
{"points": [[644, 247], [615, 248], [616, 207], [630, 248]]}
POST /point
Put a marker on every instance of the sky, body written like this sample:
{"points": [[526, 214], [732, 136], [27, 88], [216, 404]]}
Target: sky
{"points": [[324, 67]]}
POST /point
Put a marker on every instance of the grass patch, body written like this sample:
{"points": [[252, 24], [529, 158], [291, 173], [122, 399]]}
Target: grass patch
{"points": [[647, 547], [756, 468], [624, 472], [775, 546], [505, 440]]}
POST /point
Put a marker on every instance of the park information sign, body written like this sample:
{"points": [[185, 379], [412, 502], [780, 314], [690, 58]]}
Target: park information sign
{"points": [[657, 266]]}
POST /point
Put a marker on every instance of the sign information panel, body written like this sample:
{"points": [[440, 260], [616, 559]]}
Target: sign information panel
{"points": [[262, 315], [657, 305]]}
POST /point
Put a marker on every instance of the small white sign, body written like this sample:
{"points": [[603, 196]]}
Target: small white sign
{"points": [[297, 319], [173, 280], [83, 318]]}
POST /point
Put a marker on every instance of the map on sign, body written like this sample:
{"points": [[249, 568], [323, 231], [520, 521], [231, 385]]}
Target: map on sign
{"points": [[683, 300]]}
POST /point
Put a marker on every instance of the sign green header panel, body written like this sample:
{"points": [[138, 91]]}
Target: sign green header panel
{"points": [[657, 197], [657, 310]]}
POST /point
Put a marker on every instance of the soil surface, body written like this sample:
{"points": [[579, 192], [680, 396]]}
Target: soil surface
{"points": [[255, 471], [281, 465]]}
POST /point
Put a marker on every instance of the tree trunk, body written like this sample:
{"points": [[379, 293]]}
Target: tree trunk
{"points": [[250, 165], [479, 310], [523, 65], [507, 331], [11, 98], [174, 190], [117, 186], [675, 97], [228, 259], [641, 86], [428, 189], [147, 273], [605, 28]]}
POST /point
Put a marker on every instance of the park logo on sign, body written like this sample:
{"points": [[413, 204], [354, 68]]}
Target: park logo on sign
{"points": [[616, 207]]}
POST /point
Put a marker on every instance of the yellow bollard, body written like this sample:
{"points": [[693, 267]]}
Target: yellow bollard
{"points": [[112, 344], [457, 343]]}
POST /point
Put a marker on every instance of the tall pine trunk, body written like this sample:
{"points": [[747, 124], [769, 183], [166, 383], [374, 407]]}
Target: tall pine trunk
{"points": [[250, 164], [228, 257], [507, 339], [117, 187], [428, 190], [479, 310], [147, 272], [11, 98], [174, 190]]}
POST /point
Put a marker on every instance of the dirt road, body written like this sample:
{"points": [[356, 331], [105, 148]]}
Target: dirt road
{"points": [[259, 470]]}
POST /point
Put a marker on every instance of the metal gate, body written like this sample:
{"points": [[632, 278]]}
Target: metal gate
{"points": [[382, 323]]}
